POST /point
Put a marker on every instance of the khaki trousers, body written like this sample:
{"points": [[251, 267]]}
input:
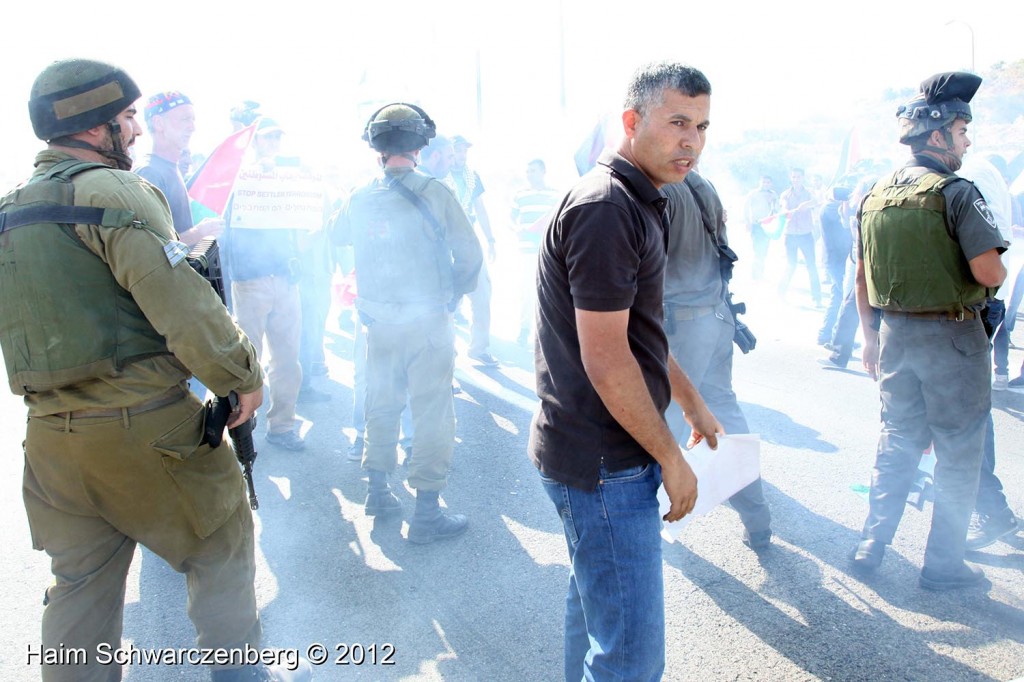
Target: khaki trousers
{"points": [[270, 306], [94, 487], [411, 361]]}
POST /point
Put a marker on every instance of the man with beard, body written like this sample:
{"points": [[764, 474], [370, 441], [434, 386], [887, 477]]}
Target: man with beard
{"points": [[928, 258], [114, 451]]}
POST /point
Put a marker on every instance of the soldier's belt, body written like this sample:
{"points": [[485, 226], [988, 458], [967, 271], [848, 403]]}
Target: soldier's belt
{"points": [[954, 316], [674, 312], [170, 397]]}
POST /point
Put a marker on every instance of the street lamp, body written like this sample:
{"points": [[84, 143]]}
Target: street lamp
{"points": [[969, 28]]}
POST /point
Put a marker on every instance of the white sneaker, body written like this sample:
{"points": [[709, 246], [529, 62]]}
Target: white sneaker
{"points": [[1001, 382]]}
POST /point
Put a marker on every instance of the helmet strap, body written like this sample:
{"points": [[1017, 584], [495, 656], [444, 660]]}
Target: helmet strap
{"points": [[122, 161], [945, 153], [118, 154]]}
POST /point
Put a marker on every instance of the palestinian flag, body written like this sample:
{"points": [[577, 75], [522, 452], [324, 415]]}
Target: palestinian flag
{"points": [[210, 186]]}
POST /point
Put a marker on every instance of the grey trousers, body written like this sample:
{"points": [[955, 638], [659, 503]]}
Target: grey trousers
{"points": [[935, 388], [703, 347]]}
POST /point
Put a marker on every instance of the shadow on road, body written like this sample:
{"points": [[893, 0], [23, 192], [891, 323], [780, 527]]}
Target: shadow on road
{"points": [[838, 632]]}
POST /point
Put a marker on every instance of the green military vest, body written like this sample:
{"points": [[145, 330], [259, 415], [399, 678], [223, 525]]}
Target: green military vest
{"points": [[64, 319], [911, 262]]}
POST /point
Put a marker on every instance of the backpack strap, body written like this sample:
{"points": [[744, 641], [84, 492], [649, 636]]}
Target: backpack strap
{"points": [[395, 183], [71, 215]]}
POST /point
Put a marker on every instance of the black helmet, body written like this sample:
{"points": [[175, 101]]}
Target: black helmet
{"points": [[73, 95], [398, 128], [944, 98]]}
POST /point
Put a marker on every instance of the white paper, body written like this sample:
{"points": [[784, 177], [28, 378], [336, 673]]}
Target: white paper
{"points": [[720, 474]]}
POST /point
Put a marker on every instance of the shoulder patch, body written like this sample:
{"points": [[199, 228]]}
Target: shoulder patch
{"points": [[981, 207], [175, 252]]}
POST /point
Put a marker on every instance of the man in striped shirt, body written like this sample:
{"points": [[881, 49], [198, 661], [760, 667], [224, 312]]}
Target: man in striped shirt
{"points": [[531, 210]]}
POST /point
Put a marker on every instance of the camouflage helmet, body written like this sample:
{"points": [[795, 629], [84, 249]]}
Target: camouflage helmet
{"points": [[73, 95], [399, 127], [943, 98]]}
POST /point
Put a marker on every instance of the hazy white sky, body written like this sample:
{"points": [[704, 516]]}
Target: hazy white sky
{"points": [[320, 68]]}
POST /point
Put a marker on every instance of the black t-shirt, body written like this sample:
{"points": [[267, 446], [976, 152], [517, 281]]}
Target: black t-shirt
{"points": [[603, 251]]}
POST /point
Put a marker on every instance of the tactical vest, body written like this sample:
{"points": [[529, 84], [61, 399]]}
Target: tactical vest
{"points": [[911, 262], [402, 255], [64, 319]]}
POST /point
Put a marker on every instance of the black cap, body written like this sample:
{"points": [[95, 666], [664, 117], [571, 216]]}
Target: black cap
{"points": [[943, 98], [950, 87]]}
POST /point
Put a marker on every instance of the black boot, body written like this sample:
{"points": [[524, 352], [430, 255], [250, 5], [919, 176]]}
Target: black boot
{"points": [[380, 501], [986, 529], [963, 575], [866, 557], [429, 523]]}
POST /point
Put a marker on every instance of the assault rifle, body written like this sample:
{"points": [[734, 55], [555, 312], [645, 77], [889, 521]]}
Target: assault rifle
{"points": [[205, 259]]}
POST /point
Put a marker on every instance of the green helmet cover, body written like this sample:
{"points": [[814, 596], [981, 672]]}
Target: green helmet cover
{"points": [[73, 95]]}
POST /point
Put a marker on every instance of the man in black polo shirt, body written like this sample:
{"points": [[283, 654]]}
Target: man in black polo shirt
{"points": [[605, 377]]}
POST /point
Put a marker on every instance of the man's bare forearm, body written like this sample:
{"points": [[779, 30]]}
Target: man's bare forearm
{"points": [[621, 387]]}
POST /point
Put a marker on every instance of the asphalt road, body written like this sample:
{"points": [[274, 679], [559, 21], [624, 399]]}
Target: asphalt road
{"points": [[488, 605]]}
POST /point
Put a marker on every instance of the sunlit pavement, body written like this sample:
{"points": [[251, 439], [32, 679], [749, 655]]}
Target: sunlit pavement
{"points": [[488, 605]]}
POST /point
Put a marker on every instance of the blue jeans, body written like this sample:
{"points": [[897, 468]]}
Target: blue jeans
{"points": [[991, 499], [615, 608], [802, 243], [837, 290], [845, 332]]}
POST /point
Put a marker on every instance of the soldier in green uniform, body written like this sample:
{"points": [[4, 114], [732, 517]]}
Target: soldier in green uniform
{"points": [[416, 255], [89, 262], [928, 260]]}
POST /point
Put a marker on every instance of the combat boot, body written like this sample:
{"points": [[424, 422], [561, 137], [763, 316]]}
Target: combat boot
{"points": [[964, 575], [265, 673], [380, 501], [986, 529], [867, 556], [430, 523]]}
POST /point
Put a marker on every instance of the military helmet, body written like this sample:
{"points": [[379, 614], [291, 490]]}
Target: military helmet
{"points": [[943, 98], [73, 95], [399, 127]]}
